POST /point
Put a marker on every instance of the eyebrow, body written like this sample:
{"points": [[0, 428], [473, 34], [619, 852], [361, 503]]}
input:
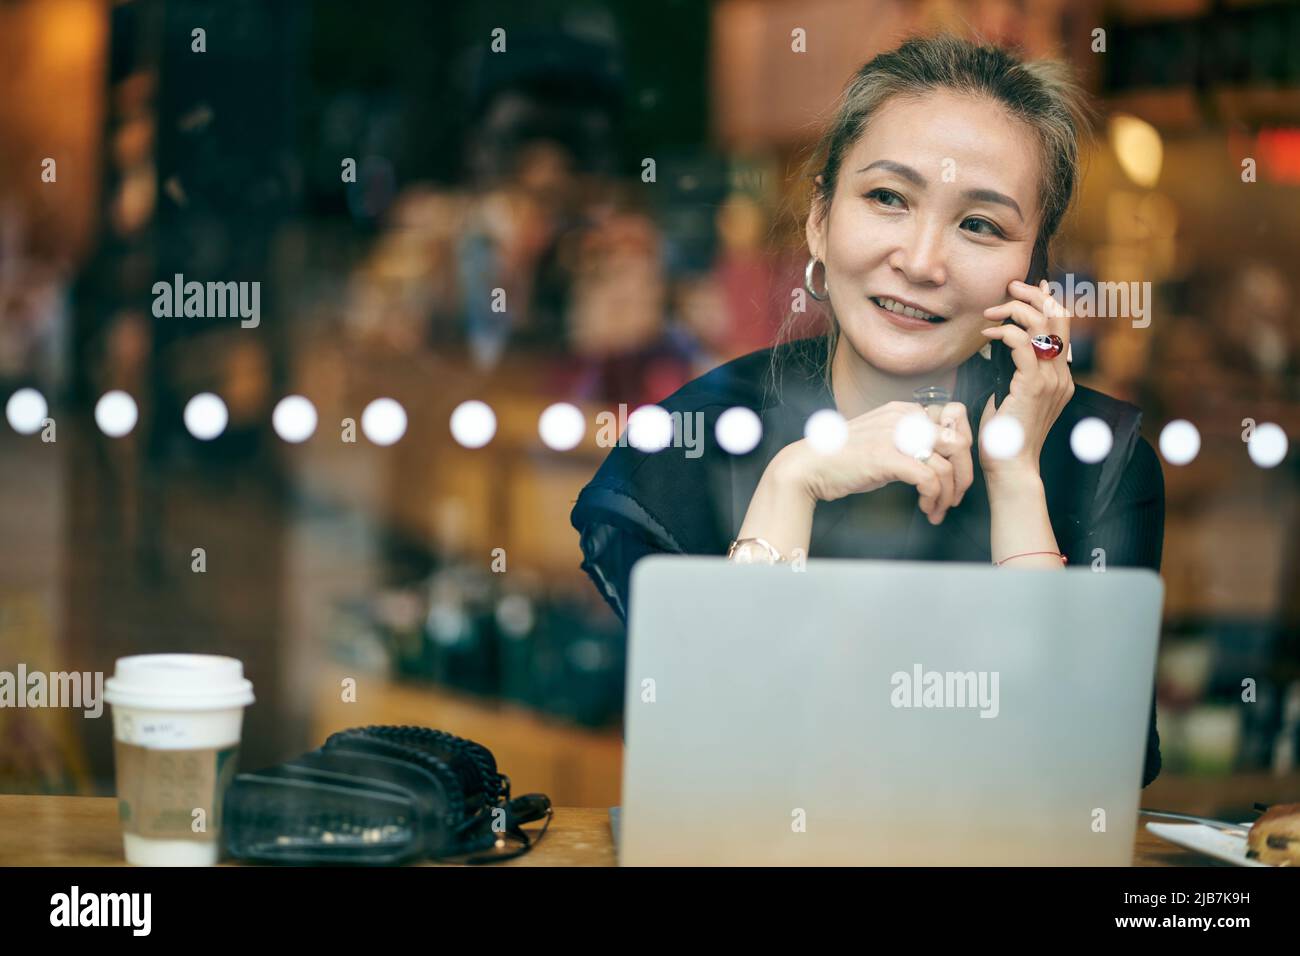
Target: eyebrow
{"points": [[912, 176], [907, 172]]}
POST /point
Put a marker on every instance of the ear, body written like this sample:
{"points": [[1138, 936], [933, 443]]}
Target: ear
{"points": [[815, 227]]}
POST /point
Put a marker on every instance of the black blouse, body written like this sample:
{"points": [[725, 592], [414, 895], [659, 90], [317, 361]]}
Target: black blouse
{"points": [[692, 499]]}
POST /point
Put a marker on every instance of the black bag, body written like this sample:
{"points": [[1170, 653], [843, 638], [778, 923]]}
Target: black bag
{"points": [[380, 795]]}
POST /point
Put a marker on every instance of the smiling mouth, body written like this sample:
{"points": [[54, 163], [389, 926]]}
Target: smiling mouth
{"points": [[898, 308]]}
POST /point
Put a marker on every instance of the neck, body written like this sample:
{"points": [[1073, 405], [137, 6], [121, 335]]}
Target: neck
{"points": [[859, 387]]}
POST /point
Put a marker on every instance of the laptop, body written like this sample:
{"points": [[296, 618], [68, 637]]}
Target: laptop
{"points": [[895, 713]]}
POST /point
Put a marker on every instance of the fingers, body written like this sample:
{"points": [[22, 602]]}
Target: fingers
{"points": [[1034, 377], [1051, 308], [949, 458], [1058, 319], [1034, 310], [943, 479], [1035, 295], [925, 479], [942, 467], [1023, 314], [1040, 298], [954, 416], [1016, 339], [954, 443]]}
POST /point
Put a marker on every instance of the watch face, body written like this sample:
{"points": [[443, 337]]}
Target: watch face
{"points": [[743, 551]]}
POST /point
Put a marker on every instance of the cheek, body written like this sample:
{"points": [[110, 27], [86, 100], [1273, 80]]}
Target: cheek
{"points": [[984, 278], [856, 236]]}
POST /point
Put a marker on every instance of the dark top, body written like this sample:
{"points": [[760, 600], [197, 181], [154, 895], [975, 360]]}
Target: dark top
{"points": [[692, 500]]}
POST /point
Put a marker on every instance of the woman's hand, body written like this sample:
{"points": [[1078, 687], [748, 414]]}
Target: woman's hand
{"points": [[1040, 388], [870, 459]]}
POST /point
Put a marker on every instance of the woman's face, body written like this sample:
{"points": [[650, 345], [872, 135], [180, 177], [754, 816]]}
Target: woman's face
{"points": [[936, 208]]}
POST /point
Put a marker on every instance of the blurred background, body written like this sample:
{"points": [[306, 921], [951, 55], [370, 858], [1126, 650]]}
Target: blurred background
{"points": [[450, 202]]}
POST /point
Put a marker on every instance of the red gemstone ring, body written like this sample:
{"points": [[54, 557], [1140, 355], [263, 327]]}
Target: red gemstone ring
{"points": [[1047, 346]]}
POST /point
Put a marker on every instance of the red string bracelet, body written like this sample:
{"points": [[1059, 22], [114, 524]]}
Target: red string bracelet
{"points": [[1027, 553]]}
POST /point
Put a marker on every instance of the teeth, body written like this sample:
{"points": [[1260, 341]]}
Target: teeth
{"points": [[907, 310]]}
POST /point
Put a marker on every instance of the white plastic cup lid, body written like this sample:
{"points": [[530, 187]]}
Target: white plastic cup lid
{"points": [[178, 682]]}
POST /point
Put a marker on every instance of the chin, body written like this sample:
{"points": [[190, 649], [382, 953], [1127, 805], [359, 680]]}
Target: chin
{"points": [[903, 353]]}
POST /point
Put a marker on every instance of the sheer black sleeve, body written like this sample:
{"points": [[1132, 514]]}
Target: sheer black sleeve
{"points": [[615, 531], [608, 556]]}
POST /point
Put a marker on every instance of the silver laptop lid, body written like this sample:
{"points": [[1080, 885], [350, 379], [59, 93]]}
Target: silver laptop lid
{"points": [[874, 712]]}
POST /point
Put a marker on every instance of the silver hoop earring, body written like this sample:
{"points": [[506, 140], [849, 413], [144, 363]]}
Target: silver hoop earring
{"points": [[808, 281]]}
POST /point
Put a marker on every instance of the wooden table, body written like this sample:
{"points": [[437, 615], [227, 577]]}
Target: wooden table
{"points": [[83, 831]]}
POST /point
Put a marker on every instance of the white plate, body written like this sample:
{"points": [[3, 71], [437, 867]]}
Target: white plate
{"points": [[1220, 844]]}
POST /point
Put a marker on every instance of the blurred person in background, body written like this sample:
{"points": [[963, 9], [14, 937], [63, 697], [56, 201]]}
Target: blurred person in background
{"points": [[478, 265], [1257, 344], [755, 282], [540, 151], [616, 318]]}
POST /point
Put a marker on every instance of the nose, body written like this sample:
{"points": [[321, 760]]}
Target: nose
{"points": [[921, 256]]}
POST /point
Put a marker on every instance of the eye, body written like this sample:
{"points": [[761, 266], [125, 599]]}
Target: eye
{"points": [[988, 229], [884, 195]]}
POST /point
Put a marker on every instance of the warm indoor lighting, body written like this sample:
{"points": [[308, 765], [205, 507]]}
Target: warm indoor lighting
{"points": [[1267, 446], [561, 426], [384, 421], [738, 430], [294, 418], [26, 409], [116, 413], [1003, 437], [473, 423], [1138, 148], [914, 435], [206, 416], [1091, 440], [650, 428], [1180, 442], [826, 431]]}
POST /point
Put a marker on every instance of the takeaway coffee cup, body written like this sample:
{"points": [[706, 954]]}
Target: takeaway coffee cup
{"points": [[176, 726]]}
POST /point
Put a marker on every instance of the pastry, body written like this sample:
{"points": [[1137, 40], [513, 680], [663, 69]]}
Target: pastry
{"points": [[1275, 837]]}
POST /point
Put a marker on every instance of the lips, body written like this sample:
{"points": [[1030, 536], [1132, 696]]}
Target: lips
{"points": [[906, 314]]}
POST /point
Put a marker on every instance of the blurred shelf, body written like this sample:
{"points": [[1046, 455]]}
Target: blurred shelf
{"points": [[514, 493], [1153, 11], [1171, 110]]}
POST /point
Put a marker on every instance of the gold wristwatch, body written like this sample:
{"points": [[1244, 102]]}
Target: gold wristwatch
{"points": [[742, 545]]}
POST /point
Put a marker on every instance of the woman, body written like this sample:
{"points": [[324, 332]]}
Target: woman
{"points": [[940, 182]]}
